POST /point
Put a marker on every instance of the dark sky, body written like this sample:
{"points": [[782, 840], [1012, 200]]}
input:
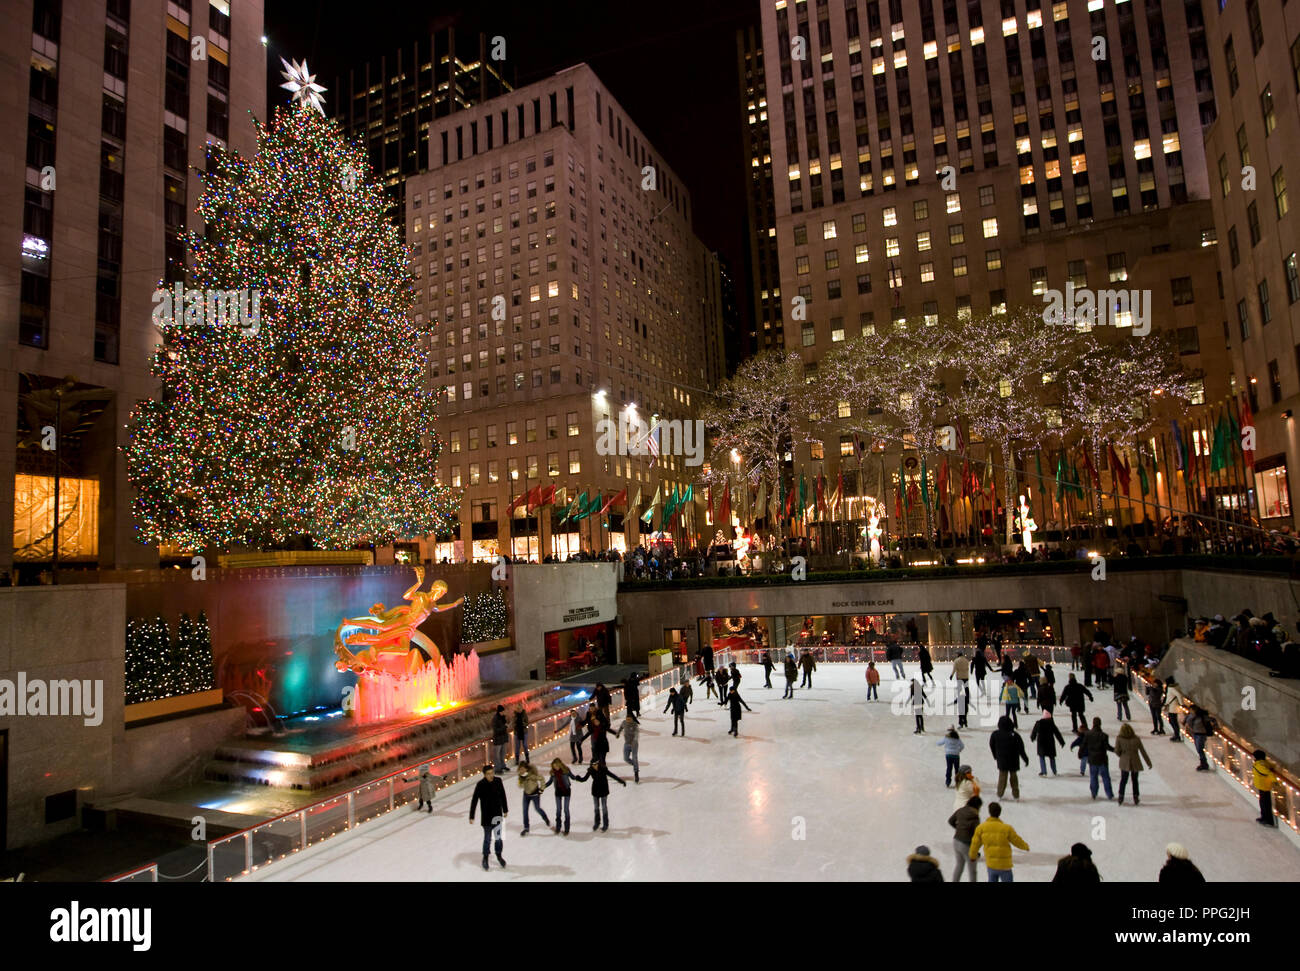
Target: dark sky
{"points": [[671, 65]]}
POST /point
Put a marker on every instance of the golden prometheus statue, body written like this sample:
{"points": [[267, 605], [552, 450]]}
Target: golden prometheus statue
{"points": [[391, 640]]}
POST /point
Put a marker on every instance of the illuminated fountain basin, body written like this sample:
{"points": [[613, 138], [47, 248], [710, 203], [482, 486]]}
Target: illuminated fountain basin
{"points": [[434, 687]]}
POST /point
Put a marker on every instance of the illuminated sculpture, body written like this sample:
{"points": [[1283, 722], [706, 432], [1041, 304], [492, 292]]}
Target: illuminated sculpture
{"points": [[1027, 526], [874, 531]]}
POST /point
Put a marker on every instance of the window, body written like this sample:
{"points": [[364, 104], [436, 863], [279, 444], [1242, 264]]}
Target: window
{"points": [[923, 241], [891, 216], [990, 228], [959, 266], [953, 202], [530, 430], [1189, 341], [1295, 63], [1292, 271], [859, 222], [837, 330], [809, 335], [993, 259], [473, 473], [1265, 313], [1279, 193], [1243, 318], [1256, 28], [1271, 488], [1234, 253], [832, 259], [832, 289], [956, 234], [1243, 147], [920, 210], [1117, 267], [927, 272], [986, 195], [1252, 220], [860, 254], [828, 229], [1225, 178], [1078, 270], [1274, 381], [891, 245], [800, 235], [801, 265], [571, 420], [575, 463], [1266, 107], [1230, 59], [1182, 290], [1038, 280]]}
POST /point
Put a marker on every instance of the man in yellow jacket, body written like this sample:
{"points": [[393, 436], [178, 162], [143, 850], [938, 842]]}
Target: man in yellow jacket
{"points": [[1264, 782], [997, 838]]}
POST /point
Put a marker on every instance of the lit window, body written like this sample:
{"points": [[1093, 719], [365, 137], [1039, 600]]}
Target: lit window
{"points": [[990, 227], [828, 229], [860, 253], [954, 202], [923, 241], [891, 216], [891, 245]]}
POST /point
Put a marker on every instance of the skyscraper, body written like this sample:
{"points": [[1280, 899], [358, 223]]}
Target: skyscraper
{"points": [[761, 256], [111, 106]]}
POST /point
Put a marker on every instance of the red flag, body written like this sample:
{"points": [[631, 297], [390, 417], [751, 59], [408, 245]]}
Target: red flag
{"points": [[821, 494], [1247, 421], [1128, 473], [514, 503], [898, 504], [1092, 469], [943, 482], [789, 501], [1118, 473], [712, 518], [621, 497], [533, 498], [965, 479], [838, 498], [724, 507]]}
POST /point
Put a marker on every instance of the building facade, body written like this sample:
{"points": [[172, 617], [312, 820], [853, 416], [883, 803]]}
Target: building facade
{"points": [[387, 105], [1252, 149], [1089, 166], [563, 288], [111, 107]]}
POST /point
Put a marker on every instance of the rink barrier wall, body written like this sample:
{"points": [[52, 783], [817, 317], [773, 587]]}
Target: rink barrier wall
{"points": [[250, 849], [939, 653], [143, 874]]}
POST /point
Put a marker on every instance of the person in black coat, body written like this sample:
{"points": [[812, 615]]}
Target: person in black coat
{"points": [[490, 794], [521, 736], [1021, 678], [598, 732], [500, 739], [678, 705], [791, 674], [1120, 686], [1008, 750], [767, 670], [981, 665], [927, 666], [923, 868], [1155, 702], [1048, 736], [632, 693], [601, 698], [1178, 868], [735, 701], [1046, 696], [1098, 745], [1077, 867], [600, 774], [735, 676], [1072, 696], [723, 676]]}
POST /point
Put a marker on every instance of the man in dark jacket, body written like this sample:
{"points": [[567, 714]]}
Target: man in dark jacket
{"points": [[923, 868], [1072, 696], [521, 735], [1098, 744], [1008, 750], [632, 693], [1077, 867], [980, 663], [1047, 736], [963, 822], [894, 655], [808, 664], [1046, 695], [767, 669], [500, 738], [791, 673], [1120, 685], [678, 704], [735, 701], [490, 794], [1155, 701]]}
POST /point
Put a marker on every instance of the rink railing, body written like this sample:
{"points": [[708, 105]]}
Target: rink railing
{"points": [[142, 874], [244, 852], [939, 653], [1237, 762]]}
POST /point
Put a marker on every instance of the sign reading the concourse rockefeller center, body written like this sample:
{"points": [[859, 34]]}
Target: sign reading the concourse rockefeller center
{"points": [[576, 615]]}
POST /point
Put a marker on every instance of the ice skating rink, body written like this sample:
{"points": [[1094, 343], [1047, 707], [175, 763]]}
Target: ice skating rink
{"points": [[825, 786]]}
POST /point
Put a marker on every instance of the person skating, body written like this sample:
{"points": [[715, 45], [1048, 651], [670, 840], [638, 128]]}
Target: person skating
{"points": [[1049, 675], [1008, 750], [952, 746], [1155, 701], [1009, 698], [735, 676], [1072, 696], [521, 736], [687, 693], [996, 838], [736, 702], [1081, 743], [577, 725], [894, 655], [531, 781], [678, 705], [490, 793], [1131, 754], [1099, 747], [922, 867], [981, 665], [630, 732], [632, 693], [964, 820], [562, 778], [723, 676], [426, 788], [1173, 706], [1178, 866], [1047, 736], [1264, 779], [1120, 686], [963, 704], [791, 673], [996, 643], [1077, 868], [927, 664], [960, 670], [873, 682], [500, 739], [1046, 696], [1197, 724], [917, 698], [707, 652], [808, 664], [598, 731], [710, 686], [1021, 678], [1031, 669], [767, 669], [600, 774]]}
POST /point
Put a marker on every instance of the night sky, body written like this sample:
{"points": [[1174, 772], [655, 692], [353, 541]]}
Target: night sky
{"points": [[671, 65]]}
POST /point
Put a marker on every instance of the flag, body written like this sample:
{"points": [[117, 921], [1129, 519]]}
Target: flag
{"points": [[584, 507], [534, 498], [965, 478], [621, 497], [649, 515], [789, 498], [712, 517], [925, 484], [857, 447], [760, 503], [578, 504], [724, 507], [1119, 476], [514, 503], [941, 486], [1143, 483], [961, 439], [1062, 478], [898, 498], [1093, 474], [1076, 482], [821, 496], [1180, 453], [670, 504], [838, 497], [635, 503], [803, 497]]}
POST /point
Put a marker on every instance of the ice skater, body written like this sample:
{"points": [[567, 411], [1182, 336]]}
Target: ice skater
{"points": [[1046, 696], [1047, 736], [1072, 696], [981, 665], [927, 664], [1131, 754], [600, 696], [767, 670], [687, 692], [1081, 743], [632, 693], [426, 788], [1010, 700], [600, 774], [723, 677], [677, 702], [1120, 685], [1098, 743], [873, 682], [577, 721], [952, 747], [562, 778], [964, 820], [1173, 706], [531, 781], [735, 676], [1155, 699], [1008, 750], [791, 672], [598, 732], [894, 655], [490, 793], [997, 838], [630, 732], [917, 697], [735, 701], [500, 739], [521, 736], [963, 704], [808, 664]]}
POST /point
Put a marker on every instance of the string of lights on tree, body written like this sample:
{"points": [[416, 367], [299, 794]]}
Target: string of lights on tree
{"points": [[157, 668], [318, 422], [485, 618]]}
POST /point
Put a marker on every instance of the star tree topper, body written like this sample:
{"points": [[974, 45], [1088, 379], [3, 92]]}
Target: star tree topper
{"points": [[302, 84]]}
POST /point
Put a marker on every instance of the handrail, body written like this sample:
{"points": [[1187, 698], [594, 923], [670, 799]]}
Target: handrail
{"points": [[130, 875], [655, 683]]}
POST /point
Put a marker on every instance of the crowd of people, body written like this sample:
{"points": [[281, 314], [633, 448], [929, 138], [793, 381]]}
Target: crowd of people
{"points": [[1264, 640]]}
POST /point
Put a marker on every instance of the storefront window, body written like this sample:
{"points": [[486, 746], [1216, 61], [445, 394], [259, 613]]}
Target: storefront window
{"points": [[1272, 489]]}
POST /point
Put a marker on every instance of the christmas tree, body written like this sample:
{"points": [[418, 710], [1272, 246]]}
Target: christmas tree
{"points": [[485, 618], [194, 649], [299, 405]]}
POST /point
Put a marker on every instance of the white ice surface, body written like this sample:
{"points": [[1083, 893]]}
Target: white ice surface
{"points": [[711, 807]]}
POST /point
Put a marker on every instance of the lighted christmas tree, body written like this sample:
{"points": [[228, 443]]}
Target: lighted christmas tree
{"points": [[485, 618], [307, 413]]}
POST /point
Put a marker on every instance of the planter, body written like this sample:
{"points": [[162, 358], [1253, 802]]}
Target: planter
{"points": [[173, 706], [657, 662]]}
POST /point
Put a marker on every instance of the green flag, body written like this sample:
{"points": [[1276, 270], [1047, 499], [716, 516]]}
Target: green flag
{"points": [[574, 506], [670, 504], [649, 515], [925, 485], [803, 496], [579, 508], [1062, 482], [1142, 475]]}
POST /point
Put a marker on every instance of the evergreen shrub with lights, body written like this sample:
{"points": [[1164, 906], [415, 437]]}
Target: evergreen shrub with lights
{"points": [[485, 618], [157, 667]]}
